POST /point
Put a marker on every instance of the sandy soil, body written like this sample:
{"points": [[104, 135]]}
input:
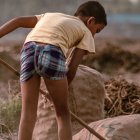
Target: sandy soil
{"points": [[115, 57]]}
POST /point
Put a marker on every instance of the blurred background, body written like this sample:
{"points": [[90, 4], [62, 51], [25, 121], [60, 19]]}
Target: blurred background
{"points": [[121, 14]]}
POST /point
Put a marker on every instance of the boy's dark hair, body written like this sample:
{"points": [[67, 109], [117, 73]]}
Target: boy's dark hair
{"points": [[92, 8]]}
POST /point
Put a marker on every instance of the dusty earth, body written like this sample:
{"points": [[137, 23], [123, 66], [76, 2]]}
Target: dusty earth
{"points": [[116, 57]]}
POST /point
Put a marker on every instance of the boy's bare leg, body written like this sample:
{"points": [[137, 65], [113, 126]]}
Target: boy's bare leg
{"points": [[30, 93], [58, 90]]}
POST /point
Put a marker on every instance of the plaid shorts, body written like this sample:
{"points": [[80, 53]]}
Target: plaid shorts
{"points": [[43, 59]]}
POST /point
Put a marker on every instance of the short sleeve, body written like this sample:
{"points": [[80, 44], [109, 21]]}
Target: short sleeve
{"points": [[87, 43], [39, 16]]}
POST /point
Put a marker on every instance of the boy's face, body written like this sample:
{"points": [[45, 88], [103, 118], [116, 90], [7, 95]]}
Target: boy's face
{"points": [[94, 27]]}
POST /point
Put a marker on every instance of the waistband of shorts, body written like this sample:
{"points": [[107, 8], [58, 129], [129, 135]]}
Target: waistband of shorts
{"points": [[35, 44]]}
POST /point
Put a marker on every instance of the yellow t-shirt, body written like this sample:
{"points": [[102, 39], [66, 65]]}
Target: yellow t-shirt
{"points": [[62, 30]]}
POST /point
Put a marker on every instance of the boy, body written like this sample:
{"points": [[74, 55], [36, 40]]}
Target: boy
{"points": [[44, 54]]}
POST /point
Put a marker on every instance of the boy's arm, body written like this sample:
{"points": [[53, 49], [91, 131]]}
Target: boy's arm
{"points": [[75, 61], [25, 22]]}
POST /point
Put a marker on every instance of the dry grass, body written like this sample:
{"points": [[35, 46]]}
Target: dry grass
{"points": [[122, 98], [9, 117]]}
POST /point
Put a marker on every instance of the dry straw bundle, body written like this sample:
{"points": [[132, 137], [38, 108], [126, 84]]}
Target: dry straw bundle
{"points": [[122, 98]]}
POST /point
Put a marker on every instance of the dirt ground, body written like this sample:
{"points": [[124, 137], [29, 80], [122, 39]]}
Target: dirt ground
{"points": [[115, 58]]}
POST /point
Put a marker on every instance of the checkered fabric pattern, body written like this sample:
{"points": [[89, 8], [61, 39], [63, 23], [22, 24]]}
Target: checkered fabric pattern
{"points": [[44, 60]]}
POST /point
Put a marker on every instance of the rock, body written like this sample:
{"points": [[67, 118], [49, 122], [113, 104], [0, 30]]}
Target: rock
{"points": [[118, 128]]}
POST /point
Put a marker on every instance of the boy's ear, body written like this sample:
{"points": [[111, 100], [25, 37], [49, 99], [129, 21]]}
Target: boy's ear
{"points": [[90, 20]]}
